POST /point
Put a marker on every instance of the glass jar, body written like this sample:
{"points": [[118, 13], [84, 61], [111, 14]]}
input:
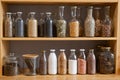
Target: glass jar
{"points": [[89, 23], [98, 24], [107, 24], [19, 25], [48, 25], [62, 62], [91, 62], [30, 64], [61, 23], [72, 63], [106, 60], [11, 65], [8, 25], [82, 62], [32, 25], [43, 63], [74, 23]]}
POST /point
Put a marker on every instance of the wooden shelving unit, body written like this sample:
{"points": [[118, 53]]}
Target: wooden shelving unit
{"points": [[113, 41]]}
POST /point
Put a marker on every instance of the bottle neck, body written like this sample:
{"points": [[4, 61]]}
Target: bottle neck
{"points": [[61, 13], [32, 16], [72, 52], [73, 13], [9, 16], [97, 15], [90, 12]]}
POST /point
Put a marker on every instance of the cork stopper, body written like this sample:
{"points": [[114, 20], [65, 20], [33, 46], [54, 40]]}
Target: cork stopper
{"points": [[30, 55]]}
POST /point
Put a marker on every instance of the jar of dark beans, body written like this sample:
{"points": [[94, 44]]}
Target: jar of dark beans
{"points": [[106, 60], [10, 65]]}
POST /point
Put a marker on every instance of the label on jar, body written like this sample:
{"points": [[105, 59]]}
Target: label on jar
{"points": [[72, 66]]}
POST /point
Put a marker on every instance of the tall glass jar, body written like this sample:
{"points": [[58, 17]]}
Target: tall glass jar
{"points": [[8, 25], [48, 25], [61, 23], [107, 24], [43, 63], [90, 23], [98, 24], [72, 63], [32, 25], [74, 23], [11, 65], [82, 62], [19, 25], [62, 62], [91, 62], [106, 61]]}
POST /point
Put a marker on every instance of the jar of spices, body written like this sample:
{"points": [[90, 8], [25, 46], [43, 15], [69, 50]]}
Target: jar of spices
{"points": [[106, 60], [32, 25], [19, 25], [82, 62], [89, 23], [30, 64], [61, 23], [62, 62], [11, 65], [91, 62], [107, 24], [74, 23], [8, 25]]}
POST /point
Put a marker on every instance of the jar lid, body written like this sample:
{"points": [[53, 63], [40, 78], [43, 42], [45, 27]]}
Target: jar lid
{"points": [[61, 6], [82, 49], [62, 49], [72, 50], [30, 55], [32, 13], [74, 7], [48, 13], [105, 47], [91, 49], [97, 8], [19, 12], [8, 13], [52, 49], [11, 56]]}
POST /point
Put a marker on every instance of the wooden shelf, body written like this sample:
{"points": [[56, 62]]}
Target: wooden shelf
{"points": [[59, 39]]}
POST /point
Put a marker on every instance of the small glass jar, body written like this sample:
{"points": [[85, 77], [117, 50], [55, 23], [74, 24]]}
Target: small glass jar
{"points": [[11, 65], [30, 64], [106, 60]]}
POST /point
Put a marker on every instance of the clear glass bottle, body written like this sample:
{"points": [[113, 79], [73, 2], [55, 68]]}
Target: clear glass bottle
{"points": [[52, 62], [11, 65], [62, 62], [107, 24], [48, 25], [98, 24], [43, 63], [19, 25], [81, 30], [106, 61], [61, 23], [32, 25], [82, 62], [41, 25], [91, 62], [8, 25], [74, 23], [89, 23], [72, 62]]}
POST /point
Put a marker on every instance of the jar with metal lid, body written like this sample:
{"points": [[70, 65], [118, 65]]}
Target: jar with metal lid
{"points": [[11, 65], [30, 64], [106, 60]]}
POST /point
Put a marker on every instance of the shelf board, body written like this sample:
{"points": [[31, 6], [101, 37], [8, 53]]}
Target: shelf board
{"points": [[60, 39]]}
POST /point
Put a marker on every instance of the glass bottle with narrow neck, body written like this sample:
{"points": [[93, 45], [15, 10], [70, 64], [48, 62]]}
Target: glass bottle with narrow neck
{"points": [[90, 23], [72, 63], [61, 23], [74, 23], [98, 24], [32, 25], [19, 25], [107, 24], [8, 25]]}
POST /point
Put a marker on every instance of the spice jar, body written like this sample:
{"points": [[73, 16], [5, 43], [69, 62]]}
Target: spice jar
{"points": [[107, 24], [11, 65], [74, 23], [32, 25], [91, 62], [106, 60], [72, 63], [30, 64], [82, 62], [19, 25], [8, 25], [89, 23], [61, 23], [62, 62]]}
